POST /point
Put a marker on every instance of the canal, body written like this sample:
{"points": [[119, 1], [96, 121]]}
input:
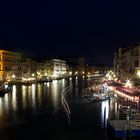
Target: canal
{"points": [[38, 111]]}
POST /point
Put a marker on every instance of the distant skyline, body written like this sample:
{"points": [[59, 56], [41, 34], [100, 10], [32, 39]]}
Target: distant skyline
{"points": [[94, 29]]}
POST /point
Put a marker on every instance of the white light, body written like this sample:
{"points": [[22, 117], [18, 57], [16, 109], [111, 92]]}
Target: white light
{"points": [[138, 73], [70, 73], [128, 84], [13, 76]]}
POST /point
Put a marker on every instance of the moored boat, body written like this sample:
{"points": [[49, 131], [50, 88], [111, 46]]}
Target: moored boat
{"points": [[4, 89]]}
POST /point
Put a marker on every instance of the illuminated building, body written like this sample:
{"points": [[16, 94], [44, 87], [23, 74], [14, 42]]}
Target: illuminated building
{"points": [[127, 62], [28, 66], [59, 67], [51, 68], [9, 65]]}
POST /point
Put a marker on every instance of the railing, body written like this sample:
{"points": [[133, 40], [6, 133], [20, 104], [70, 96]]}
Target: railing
{"points": [[129, 121]]}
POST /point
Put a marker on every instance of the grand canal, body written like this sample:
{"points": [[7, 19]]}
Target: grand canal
{"points": [[36, 111]]}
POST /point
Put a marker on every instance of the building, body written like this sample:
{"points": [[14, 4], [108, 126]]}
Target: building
{"points": [[127, 62], [51, 68], [59, 67], [9, 65], [100, 69], [28, 67], [77, 66]]}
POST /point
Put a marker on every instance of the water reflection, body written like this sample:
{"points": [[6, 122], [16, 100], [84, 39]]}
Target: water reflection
{"points": [[26, 103], [14, 100], [6, 101], [39, 94], [24, 91], [104, 110], [33, 95], [1, 106], [54, 94], [63, 83]]}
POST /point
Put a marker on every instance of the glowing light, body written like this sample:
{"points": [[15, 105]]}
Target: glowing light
{"points": [[70, 73], [14, 91], [128, 84], [33, 74], [13, 76], [33, 94], [83, 72], [97, 72], [138, 73], [105, 110], [48, 84]]}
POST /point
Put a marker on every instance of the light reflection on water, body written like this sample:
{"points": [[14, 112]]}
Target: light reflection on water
{"points": [[1, 106], [27, 99], [6, 101], [54, 93], [104, 110], [24, 91], [34, 95], [14, 100]]}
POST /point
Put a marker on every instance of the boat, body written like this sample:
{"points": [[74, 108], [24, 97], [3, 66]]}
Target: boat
{"points": [[4, 88], [98, 97]]}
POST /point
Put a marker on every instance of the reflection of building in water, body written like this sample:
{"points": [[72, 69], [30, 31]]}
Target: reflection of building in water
{"points": [[63, 83], [39, 93], [6, 101], [33, 95], [54, 93], [14, 100], [24, 92], [1, 106]]}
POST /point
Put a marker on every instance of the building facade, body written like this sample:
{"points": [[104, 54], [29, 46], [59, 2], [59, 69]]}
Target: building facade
{"points": [[9, 65], [59, 67], [127, 62]]}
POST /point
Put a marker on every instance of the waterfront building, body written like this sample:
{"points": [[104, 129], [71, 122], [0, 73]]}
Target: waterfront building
{"points": [[59, 67], [28, 67], [127, 62], [9, 65]]}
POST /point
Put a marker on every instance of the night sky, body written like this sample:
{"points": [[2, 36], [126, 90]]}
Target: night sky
{"points": [[93, 29]]}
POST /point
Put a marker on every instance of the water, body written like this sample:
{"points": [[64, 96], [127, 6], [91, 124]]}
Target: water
{"points": [[37, 112]]}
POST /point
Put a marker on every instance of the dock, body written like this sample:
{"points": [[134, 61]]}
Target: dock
{"points": [[122, 128], [124, 125]]}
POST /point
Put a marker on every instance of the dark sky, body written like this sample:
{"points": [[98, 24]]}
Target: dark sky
{"points": [[94, 29]]}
